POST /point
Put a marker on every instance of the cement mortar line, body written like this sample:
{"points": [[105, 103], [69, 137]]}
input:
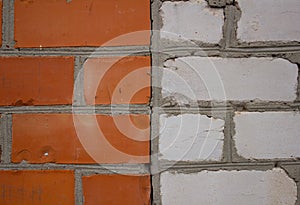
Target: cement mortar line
{"points": [[98, 109], [194, 166], [144, 51], [105, 51], [8, 24], [243, 107], [100, 168], [78, 191]]}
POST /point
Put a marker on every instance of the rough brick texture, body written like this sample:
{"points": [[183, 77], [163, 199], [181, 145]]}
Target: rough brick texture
{"points": [[268, 20], [268, 135], [116, 189], [40, 138], [191, 137], [117, 80], [192, 20], [80, 23], [241, 79], [37, 187], [229, 187], [36, 80]]}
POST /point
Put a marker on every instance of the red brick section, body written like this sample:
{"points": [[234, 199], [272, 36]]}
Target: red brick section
{"points": [[116, 190], [36, 80], [37, 187], [41, 138], [117, 80], [55, 23]]}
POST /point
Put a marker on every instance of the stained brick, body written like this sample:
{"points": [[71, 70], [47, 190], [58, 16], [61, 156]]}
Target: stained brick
{"points": [[80, 22], [58, 138], [37, 187], [117, 80], [225, 187], [116, 189], [36, 80]]}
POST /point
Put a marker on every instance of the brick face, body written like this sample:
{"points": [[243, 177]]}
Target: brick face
{"points": [[267, 20], [36, 80], [267, 135], [191, 137], [117, 80], [37, 187], [116, 189], [80, 22], [239, 79], [223, 187], [41, 138], [194, 21]]}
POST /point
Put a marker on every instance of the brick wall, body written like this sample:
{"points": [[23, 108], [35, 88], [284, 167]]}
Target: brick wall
{"points": [[228, 101], [150, 102], [53, 103]]}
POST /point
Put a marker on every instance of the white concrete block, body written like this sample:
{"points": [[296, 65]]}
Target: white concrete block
{"points": [[191, 20], [191, 137], [272, 187], [240, 79], [269, 20], [267, 135]]}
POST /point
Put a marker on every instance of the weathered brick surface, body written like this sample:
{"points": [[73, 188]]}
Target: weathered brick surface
{"points": [[229, 187], [36, 80], [240, 79], [267, 135], [60, 138], [37, 187], [191, 137], [267, 20], [80, 23], [191, 20], [116, 189], [117, 80]]}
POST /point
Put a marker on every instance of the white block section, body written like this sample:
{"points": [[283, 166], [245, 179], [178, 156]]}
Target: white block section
{"points": [[269, 20], [229, 188], [191, 20], [240, 79], [191, 137], [267, 135]]}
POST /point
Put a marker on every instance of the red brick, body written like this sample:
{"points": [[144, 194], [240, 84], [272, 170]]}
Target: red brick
{"points": [[37, 187], [117, 80], [53, 23], [36, 80], [116, 189], [41, 138]]}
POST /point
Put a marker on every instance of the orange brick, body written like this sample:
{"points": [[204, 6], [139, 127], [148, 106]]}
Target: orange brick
{"points": [[117, 80], [36, 80], [41, 138], [116, 189], [37, 187], [54, 23]]}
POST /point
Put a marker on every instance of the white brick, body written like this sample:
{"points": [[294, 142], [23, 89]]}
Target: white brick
{"points": [[192, 20], [241, 79], [190, 137], [267, 135], [269, 20], [229, 188]]}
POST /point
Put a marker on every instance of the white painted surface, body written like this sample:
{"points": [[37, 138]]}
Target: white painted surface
{"points": [[272, 187], [192, 20], [241, 79], [267, 135], [269, 20], [191, 137]]}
